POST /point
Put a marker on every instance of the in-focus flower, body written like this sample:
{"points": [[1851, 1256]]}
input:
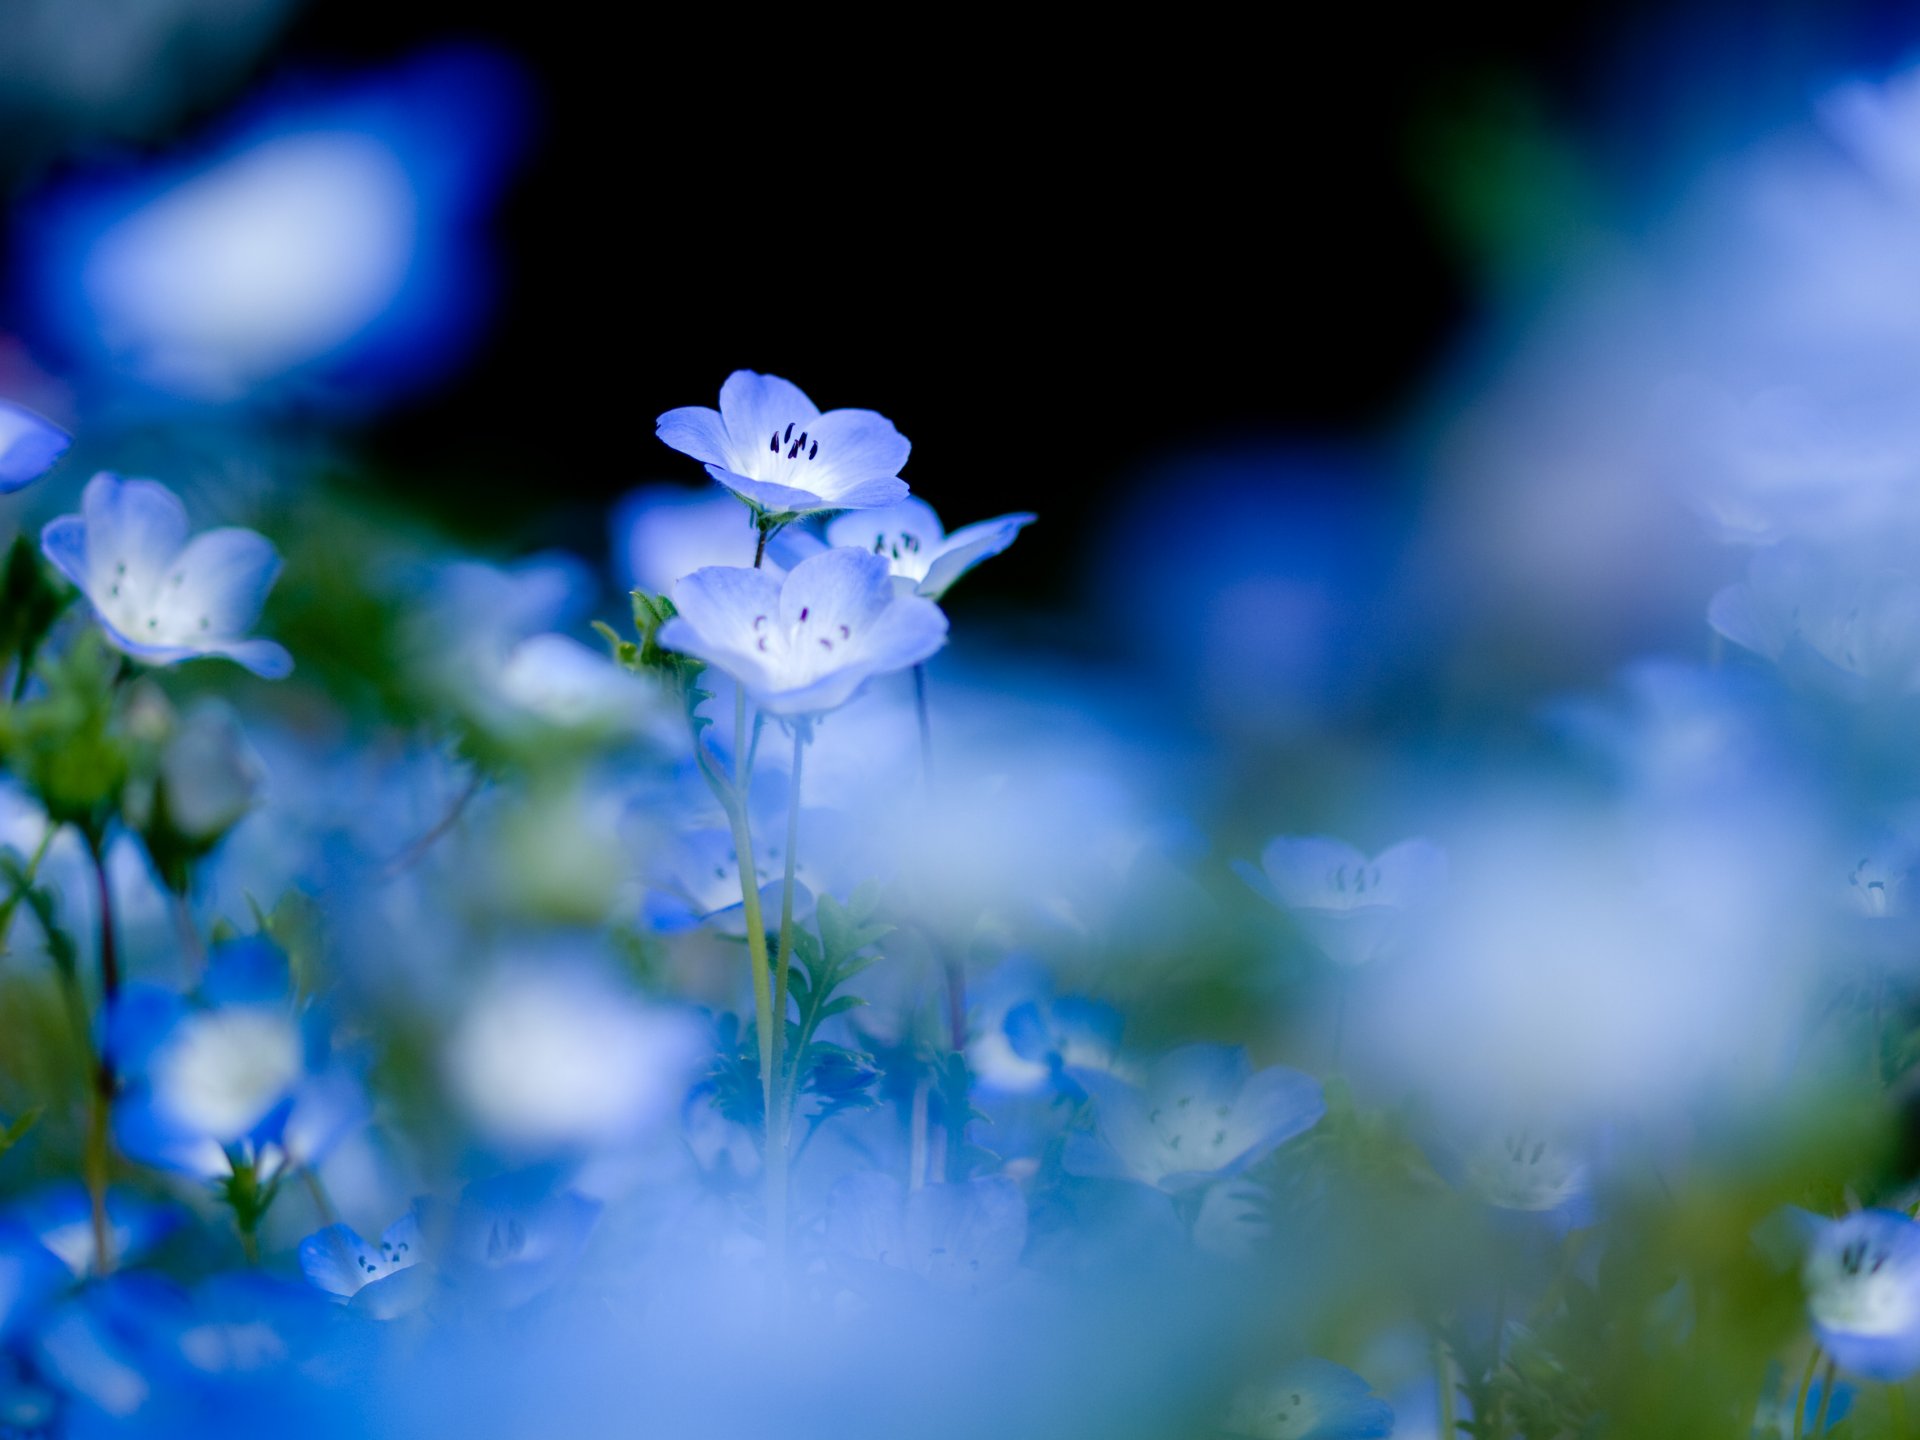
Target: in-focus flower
{"points": [[1201, 1112], [908, 535], [961, 1238], [1351, 907], [159, 596], [771, 446], [1310, 1400], [805, 644], [1862, 1277], [29, 446]]}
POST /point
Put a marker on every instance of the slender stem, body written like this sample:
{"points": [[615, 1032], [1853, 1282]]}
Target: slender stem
{"points": [[99, 1111], [760, 550], [926, 726], [1443, 1375], [317, 1192], [781, 1109], [191, 950], [1826, 1399], [1800, 1396], [412, 854], [24, 883]]}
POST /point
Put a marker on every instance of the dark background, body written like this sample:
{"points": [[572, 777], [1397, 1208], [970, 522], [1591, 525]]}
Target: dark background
{"points": [[1052, 252]]}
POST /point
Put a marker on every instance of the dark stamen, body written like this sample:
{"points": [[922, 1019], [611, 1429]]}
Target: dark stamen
{"points": [[789, 435], [814, 451]]}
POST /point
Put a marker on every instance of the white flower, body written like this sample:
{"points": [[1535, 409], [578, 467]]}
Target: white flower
{"points": [[909, 537]]}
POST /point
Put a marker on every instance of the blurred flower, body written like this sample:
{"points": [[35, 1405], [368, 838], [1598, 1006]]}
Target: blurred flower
{"points": [[1862, 1275], [1199, 1113], [569, 686], [1352, 908], [1531, 1169], [771, 446], [923, 556], [60, 1218], [560, 1057], [510, 1237], [29, 446], [328, 240], [338, 1261], [1310, 1400], [1823, 619], [210, 777], [160, 597], [961, 1238], [1235, 1219], [663, 532], [806, 644]]}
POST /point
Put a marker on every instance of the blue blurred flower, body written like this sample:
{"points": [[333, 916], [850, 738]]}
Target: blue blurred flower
{"points": [[923, 556], [1200, 1112], [1862, 1276], [807, 644], [962, 1238], [1826, 619], [330, 239], [663, 532], [231, 1077], [771, 446], [1351, 907], [60, 1218], [510, 1238], [30, 1276], [1310, 1400], [378, 1280], [29, 446], [159, 596]]}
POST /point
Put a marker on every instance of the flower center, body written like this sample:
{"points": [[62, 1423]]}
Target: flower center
{"points": [[807, 645], [796, 447]]}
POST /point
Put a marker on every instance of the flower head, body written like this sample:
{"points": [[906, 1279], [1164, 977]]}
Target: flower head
{"points": [[159, 596], [1862, 1276], [924, 557], [1201, 1112], [806, 644], [1310, 1400], [29, 446], [771, 446], [1350, 906]]}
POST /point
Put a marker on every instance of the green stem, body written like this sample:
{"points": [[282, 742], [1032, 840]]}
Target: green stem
{"points": [[1443, 1374], [24, 883], [1800, 1396], [99, 1115], [781, 1107], [1826, 1399]]}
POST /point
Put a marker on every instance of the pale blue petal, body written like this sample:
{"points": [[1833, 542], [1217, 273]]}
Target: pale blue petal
{"points": [[1303, 867], [867, 494], [871, 529], [64, 543], [339, 1260], [966, 1235], [697, 431], [908, 633], [265, 658], [777, 499], [866, 1218], [857, 445], [836, 589], [217, 584], [134, 527], [967, 547], [29, 446], [756, 407]]}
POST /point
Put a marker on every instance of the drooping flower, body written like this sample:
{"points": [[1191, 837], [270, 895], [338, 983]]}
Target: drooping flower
{"points": [[1351, 907], [1862, 1277], [159, 596], [1200, 1113], [29, 446], [1310, 1400], [909, 536], [806, 644], [770, 445]]}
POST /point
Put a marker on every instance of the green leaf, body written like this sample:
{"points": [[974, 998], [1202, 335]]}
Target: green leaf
{"points": [[15, 1132]]}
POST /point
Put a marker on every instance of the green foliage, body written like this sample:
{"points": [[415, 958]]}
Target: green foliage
{"points": [[30, 601], [825, 960], [69, 746]]}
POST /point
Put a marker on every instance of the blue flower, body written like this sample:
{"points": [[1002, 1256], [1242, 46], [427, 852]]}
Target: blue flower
{"points": [[159, 596], [60, 1218], [1529, 1169], [1862, 1277], [510, 1238], [909, 536], [771, 446], [30, 1276], [1201, 1112], [806, 644], [29, 446], [960, 1238], [1351, 907], [1310, 1400], [380, 1280], [233, 1076]]}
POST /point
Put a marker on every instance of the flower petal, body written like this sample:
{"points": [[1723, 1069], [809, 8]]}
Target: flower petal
{"points": [[834, 589], [29, 446], [134, 527], [856, 446], [780, 499], [756, 406], [698, 431], [64, 543], [967, 547], [215, 587], [912, 516]]}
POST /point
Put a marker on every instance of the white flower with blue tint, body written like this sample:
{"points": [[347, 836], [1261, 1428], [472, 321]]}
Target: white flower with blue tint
{"points": [[60, 1218], [1530, 1169], [1351, 906], [1200, 1113], [160, 596], [29, 446], [909, 536], [1828, 619], [960, 1238], [1310, 1400], [770, 445], [806, 644], [1862, 1277]]}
